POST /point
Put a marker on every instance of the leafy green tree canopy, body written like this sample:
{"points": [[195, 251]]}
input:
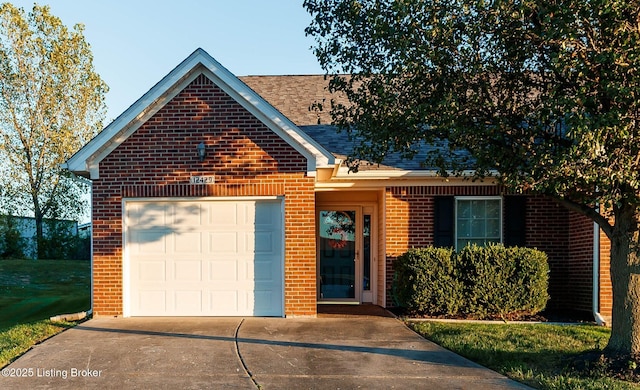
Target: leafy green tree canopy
{"points": [[51, 103], [545, 93]]}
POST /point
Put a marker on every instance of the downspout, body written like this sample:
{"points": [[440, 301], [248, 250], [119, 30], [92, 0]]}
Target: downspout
{"points": [[596, 276], [90, 311]]}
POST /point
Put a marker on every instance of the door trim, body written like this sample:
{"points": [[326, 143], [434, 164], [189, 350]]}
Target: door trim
{"points": [[372, 210]]}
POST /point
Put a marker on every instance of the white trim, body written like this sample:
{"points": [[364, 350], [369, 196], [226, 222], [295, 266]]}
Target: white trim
{"points": [[596, 275], [385, 183], [382, 228], [371, 209], [471, 198], [376, 256], [202, 198], [126, 264], [86, 160], [343, 173]]}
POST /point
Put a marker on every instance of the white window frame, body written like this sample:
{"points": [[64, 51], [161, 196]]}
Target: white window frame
{"points": [[472, 198]]}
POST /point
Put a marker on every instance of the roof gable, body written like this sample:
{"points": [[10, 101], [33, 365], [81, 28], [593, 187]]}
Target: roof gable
{"points": [[87, 160]]}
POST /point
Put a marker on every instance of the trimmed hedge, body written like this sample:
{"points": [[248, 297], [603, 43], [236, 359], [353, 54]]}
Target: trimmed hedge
{"points": [[477, 282], [426, 280]]}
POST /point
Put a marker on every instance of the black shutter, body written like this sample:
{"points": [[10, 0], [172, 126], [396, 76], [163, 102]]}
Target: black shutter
{"points": [[515, 212], [443, 221]]}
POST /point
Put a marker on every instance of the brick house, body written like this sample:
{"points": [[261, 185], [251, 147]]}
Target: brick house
{"points": [[217, 195]]}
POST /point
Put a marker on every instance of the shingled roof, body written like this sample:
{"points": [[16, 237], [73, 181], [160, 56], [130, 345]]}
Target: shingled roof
{"points": [[294, 96]]}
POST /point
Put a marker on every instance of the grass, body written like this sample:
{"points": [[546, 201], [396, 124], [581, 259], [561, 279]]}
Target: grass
{"points": [[34, 290], [16, 340], [540, 355]]}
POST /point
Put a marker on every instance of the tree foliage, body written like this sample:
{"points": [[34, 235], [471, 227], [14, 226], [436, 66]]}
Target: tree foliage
{"points": [[546, 93], [51, 103]]}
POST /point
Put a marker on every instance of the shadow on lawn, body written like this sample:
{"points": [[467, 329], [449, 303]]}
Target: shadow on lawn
{"points": [[32, 290]]}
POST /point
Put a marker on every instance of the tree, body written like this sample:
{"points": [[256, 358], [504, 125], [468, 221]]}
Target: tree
{"points": [[543, 92], [51, 103]]}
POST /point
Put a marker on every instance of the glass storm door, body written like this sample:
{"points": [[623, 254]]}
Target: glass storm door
{"points": [[338, 251]]}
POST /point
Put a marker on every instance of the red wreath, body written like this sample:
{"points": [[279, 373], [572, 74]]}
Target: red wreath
{"points": [[337, 244], [342, 242]]}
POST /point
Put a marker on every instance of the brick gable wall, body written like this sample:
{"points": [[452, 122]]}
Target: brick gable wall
{"points": [[246, 157]]}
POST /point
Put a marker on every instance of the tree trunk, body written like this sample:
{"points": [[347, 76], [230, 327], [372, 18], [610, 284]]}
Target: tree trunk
{"points": [[625, 279], [39, 235]]}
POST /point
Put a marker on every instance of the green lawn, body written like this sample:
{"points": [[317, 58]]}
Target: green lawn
{"points": [[541, 355], [32, 290], [16, 340]]}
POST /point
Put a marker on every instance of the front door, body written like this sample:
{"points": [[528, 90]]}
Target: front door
{"points": [[345, 259]]}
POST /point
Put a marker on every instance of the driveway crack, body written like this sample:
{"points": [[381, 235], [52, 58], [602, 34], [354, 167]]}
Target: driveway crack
{"points": [[244, 364]]}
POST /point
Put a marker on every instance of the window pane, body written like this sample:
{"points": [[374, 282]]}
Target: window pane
{"points": [[492, 208], [463, 228], [477, 209], [478, 221], [477, 228], [464, 209], [493, 228]]}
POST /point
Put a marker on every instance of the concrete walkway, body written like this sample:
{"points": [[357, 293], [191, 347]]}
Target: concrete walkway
{"points": [[251, 353]]}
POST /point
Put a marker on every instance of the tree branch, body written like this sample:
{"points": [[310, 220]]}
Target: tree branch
{"points": [[589, 212]]}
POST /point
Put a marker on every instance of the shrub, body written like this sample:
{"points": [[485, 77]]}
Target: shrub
{"points": [[425, 281], [479, 282], [11, 241], [502, 281], [62, 242]]}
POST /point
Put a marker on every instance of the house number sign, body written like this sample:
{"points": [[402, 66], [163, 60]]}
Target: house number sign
{"points": [[202, 179]]}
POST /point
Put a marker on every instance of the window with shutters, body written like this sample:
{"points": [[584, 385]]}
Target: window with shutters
{"points": [[478, 220]]}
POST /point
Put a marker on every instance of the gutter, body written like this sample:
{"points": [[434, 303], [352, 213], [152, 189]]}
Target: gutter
{"points": [[596, 277]]}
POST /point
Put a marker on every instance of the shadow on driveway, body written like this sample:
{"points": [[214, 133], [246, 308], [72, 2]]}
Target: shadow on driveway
{"points": [[266, 353]]}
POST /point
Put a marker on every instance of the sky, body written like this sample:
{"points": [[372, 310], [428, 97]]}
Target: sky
{"points": [[135, 43]]}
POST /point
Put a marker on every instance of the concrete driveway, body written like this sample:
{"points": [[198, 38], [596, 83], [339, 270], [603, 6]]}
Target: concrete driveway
{"points": [[245, 353]]}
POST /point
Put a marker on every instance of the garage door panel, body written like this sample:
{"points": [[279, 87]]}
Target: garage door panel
{"points": [[261, 243], [151, 271], [187, 271], [149, 215], [149, 241], [221, 214], [223, 270], [223, 301], [188, 301], [152, 301], [186, 214], [263, 271], [187, 242], [223, 242], [209, 258]]}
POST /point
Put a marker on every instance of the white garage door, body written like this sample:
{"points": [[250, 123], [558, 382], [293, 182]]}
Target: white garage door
{"points": [[205, 258]]}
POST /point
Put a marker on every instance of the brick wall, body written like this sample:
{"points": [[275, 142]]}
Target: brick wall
{"points": [[581, 261], [409, 219], [547, 229], [566, 237], [245, 156], [606, 289]]}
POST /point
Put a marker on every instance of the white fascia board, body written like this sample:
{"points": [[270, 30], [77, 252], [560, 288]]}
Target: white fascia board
{"points": [[87, 160], [394, 178]]}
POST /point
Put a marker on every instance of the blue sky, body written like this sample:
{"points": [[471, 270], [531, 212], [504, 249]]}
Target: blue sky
{"points": [[137, 42]]}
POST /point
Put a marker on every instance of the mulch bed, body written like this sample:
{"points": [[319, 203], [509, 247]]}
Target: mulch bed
{"points": [[544, 316]]}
